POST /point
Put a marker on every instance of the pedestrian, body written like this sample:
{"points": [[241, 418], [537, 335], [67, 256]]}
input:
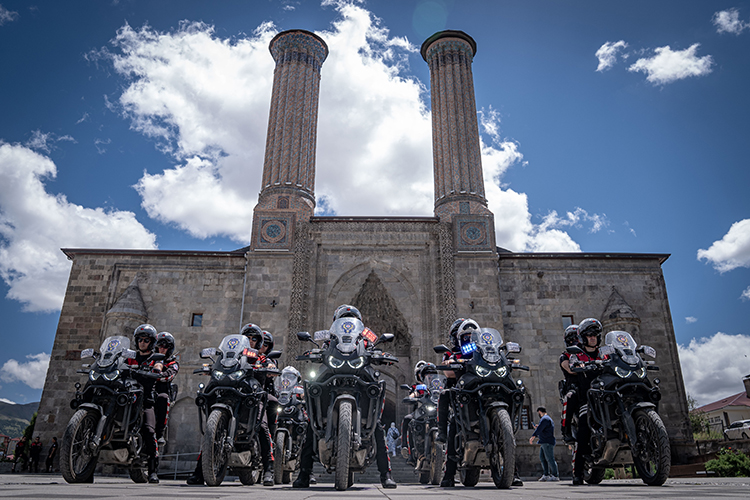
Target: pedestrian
{"points": [[391, 437], [545, 433], [35, 451], [20, 454], [51, 455]]}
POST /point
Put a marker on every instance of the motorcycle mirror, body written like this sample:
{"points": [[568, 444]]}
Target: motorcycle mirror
{"points": [[304, 336], [157, 356], [606, 350], [273, 355], [574, 349], [405, 387], [87, 353], [646, 349], [440, 349], [128, 354], [322, 335], [208, 352], [513, 347], [386, 337]]}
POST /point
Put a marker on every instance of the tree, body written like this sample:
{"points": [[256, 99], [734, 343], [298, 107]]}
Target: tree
{"points": [[29, 431], [698, 419]]}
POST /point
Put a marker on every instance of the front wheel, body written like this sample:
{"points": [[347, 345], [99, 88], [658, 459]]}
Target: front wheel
{"points": [[278, 458], [470, 476], [138, 475], [437, 459], [503, 459], [593, 475], [248, 477], [77, 462], [652, 456], [214, 449], [343, 445]]}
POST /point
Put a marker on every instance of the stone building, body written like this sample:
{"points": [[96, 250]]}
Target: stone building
{"points": [[408, 275]]}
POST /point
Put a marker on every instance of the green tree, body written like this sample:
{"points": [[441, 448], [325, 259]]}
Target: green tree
{"points": [[698, 419], [29, 431]]}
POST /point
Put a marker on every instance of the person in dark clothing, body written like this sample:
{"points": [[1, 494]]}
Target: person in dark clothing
{"points": [[51, 455], [20, 454], [35, 451], [545, 433], [568, 388], [168, 367]]}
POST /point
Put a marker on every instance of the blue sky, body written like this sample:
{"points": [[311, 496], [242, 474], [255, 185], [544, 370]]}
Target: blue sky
{"points": [[606, 127]]}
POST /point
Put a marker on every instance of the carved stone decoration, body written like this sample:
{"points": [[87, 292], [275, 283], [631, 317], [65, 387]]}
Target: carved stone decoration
{"points": [[381, 314], [298, 299], [126, 313], [447, 277], [618, 315]]}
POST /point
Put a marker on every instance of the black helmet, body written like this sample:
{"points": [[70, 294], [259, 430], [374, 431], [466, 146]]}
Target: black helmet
{"points": [[588, 328], [254, 333], [425, 369], [166, 339], [145, 331], [571, 336], [346, 311], [453, 331], [268, 340]]}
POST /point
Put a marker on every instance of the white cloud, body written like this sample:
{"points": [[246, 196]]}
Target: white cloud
{"points": [[732, 251], [607, 54], [691, 319], [713, 367], [7, 16], [728, 21], [35, 224], [667, 66], [746, 294], [205, 101], [31, 373], [8, 401]]}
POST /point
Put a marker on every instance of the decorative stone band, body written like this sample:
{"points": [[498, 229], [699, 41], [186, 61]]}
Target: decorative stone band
{"points": [[299, 46], [461, 42]]}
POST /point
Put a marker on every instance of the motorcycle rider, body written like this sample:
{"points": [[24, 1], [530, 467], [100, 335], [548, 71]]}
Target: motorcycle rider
{"points": [[306, 455], [568, 388], [590, 331], [145, 340], [414, 396], [273, 402], [168, 367]]}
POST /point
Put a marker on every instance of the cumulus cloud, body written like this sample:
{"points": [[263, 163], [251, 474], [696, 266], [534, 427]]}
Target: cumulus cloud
{"points": [[713, 367], [746, 294], [691, 319], [7, 16], [728, 21], [732, 251], [35, 224], [667, 65], [607, 54], [205, 101], [31, 373]]}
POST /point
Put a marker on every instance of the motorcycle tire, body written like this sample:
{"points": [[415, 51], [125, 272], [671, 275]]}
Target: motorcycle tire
{"points": [[213, 449], [286, 478], [76, 461], [503, 462], [248, 477], [424, 477], [593, 475], [652, 457], [437, 460], [343, 445], [279, 452], [138, 475], [470, 476]]}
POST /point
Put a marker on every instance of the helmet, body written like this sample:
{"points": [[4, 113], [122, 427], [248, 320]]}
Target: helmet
{"points": [[147, 331], [293, 371], [254, 333], [418, 368], [268, 340], [166, 339], [571, 336], [425, 369], [346, 311], [468, 327], [452, 332], [588, 328]]}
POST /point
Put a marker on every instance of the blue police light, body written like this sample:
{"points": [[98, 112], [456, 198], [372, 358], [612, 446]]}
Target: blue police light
{"points": [[468, 348]]}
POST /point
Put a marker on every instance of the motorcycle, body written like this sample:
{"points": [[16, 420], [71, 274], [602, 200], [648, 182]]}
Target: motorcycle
{"points": [[291, 425], [109, 412], [423, 451], [232, 404], [345, 400], [623, 412], [486, 404]]}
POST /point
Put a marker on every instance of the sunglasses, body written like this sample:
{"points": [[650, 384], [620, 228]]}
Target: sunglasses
{"points": [[144, 339]]}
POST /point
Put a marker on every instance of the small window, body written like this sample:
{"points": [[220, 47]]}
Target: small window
{"points": [[197, 320], [567, 320]]}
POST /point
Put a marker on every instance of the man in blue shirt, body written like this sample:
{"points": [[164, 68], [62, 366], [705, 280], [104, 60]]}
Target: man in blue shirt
{"points": [[545, 432]]}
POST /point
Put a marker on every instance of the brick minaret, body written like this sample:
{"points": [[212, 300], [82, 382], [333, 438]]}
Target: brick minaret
{"points": [[288, 185]]}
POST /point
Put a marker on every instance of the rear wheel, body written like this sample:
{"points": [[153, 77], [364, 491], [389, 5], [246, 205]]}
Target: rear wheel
{"points": [[437, 459], [77, 462], [278, 459], [652, 457], [248, 477], [470, 476], [503, 459], [343, 445], [214, 449], [593, 475], [424, 477], [138, 475]]}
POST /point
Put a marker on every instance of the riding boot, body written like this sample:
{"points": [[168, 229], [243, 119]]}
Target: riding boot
{"points": [[442, 417], [449, 474], [303, 480], [197, 477], [387, 481], [153, 468]]}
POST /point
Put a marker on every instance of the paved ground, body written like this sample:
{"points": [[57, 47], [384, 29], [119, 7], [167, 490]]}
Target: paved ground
{"points": [[23, 486]]}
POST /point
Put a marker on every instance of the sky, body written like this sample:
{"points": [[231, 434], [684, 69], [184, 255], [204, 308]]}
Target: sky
{"points": [[605, 127]]}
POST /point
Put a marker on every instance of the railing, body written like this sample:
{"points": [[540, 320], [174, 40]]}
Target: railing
{"points": [[176, 461]]}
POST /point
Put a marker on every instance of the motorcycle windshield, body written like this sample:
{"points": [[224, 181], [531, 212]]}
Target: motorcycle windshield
{"points": [[347, 332], [624, 344], [111, 348], [489, 341], [285, 382], [232, 347], [435, 382]]}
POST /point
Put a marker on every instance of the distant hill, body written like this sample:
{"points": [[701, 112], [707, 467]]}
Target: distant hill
{"points": [[15, 418]]}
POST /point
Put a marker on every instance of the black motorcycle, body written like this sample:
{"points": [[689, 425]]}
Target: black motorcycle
{"points": [[345, 400], [291, 425], [422, 449], [109, 412], [232, 404], [623, 412], [486, 404]]}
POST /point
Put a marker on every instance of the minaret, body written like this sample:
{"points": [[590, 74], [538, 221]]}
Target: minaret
{"points": [[457, 161], [288, 185]]}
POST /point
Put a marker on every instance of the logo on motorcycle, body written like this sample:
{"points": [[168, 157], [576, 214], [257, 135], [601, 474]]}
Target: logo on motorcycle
{"points": [[233, 343], [436, 385], [348, 327], [487, 337], [623, 339], [285, 382], [112, 345]]}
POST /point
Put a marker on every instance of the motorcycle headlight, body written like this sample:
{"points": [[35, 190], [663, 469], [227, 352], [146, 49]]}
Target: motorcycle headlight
{"points": [[357, 363], [482, 371], [622, 373], [111, 375], [641, 372], [502, 371], [335, 362], [236, 375], [218, 374], [94, 375], [429, 408]]}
